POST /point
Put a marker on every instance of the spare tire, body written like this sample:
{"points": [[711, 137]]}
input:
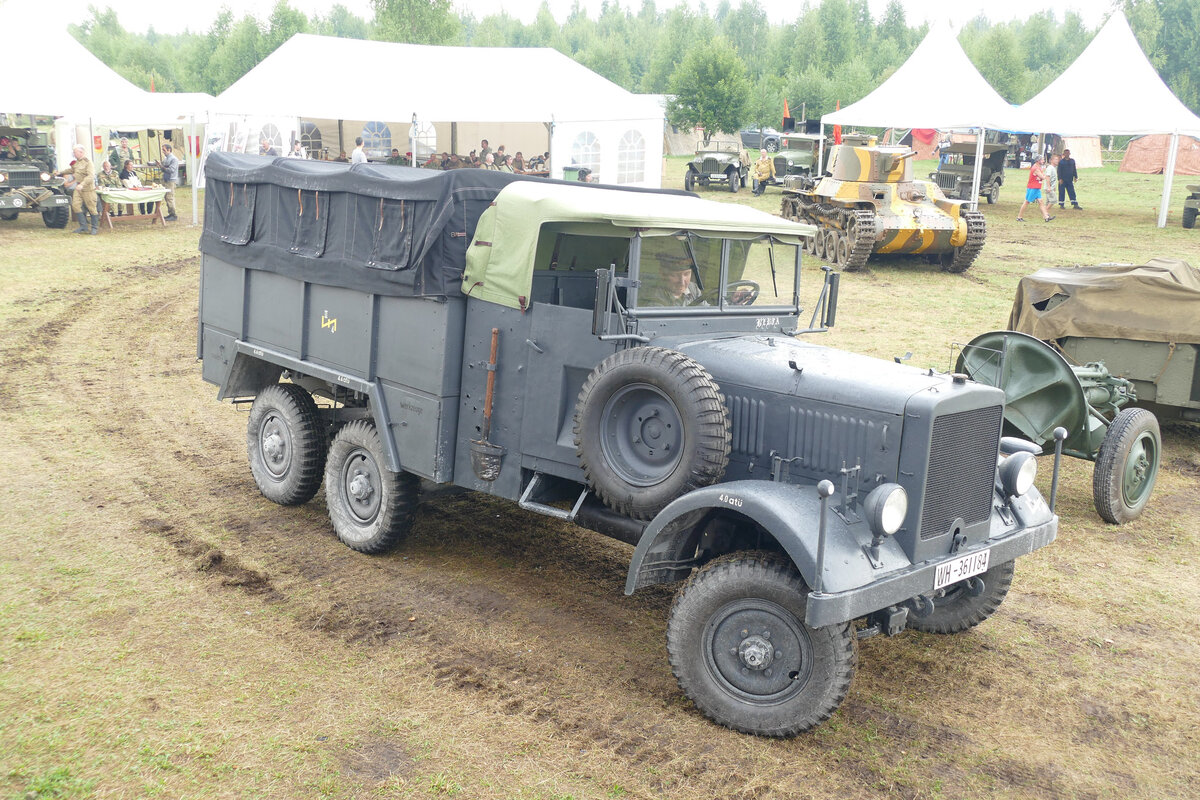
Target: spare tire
{"points": [[650, 425]]}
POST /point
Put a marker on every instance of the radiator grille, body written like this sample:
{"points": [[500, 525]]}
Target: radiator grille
{"points": [[711, 166], [780, 166], [21, 176], [945, 180], [962, 469]]}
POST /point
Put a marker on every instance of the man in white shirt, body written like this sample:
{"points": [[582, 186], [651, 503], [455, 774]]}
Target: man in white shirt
{"points": [[359, 156]]}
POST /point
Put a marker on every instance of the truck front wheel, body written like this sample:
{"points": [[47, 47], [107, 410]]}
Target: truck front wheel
{"points": [[964, 606], [741, 651], [286, 444], [370, 506]]}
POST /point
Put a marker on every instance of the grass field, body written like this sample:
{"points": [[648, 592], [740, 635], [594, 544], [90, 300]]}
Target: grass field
{"points": [[167, 632]]}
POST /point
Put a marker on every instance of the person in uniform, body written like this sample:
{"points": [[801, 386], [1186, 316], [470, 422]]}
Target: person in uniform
{"points": [[83, 199], [674, 285], [120, 154], [394, 159], [764, 170], [489, 161], [483, 151], [170, 179], [1067, 175]]}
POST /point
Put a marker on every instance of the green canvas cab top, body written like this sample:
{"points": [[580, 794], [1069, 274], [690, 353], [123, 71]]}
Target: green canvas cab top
{"points": [[500, 260]]}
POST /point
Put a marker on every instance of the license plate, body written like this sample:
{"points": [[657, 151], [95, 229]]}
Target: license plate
{"points": [[960, 569]]}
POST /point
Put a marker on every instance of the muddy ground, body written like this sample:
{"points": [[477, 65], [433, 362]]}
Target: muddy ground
{"points": [[171, 632]]}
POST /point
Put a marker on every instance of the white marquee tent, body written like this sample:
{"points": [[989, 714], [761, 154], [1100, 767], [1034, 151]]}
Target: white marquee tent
{"points": [[962, 99], [1112, 89], [582, 118]]}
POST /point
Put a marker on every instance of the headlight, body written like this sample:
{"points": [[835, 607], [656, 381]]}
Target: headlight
{"points": [[1017, 473], [45, 177], [886, 506], [3, 177]]}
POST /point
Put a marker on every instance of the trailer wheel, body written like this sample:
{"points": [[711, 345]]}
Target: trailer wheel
{"points": [[964, 605], [286, 444], [1126, 466], [650, 425], [370, 506], [741, 651]]}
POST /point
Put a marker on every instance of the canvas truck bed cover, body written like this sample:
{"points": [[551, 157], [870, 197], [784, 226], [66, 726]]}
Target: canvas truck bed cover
{"points": [[370, 227], [1158, 301]]}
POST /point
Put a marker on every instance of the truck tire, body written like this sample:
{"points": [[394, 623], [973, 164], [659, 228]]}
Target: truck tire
{"points": [[993, 196], [8, 216], [734, 178], [742, 653], [958, 610], [689, 180], [370, 506], [1126, 466], [57, 216], [771, 145], [1189, 217], [286, 444], [650, 425]]}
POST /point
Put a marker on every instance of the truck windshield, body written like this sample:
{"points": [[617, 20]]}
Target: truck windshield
{"points": [[687, 271]]}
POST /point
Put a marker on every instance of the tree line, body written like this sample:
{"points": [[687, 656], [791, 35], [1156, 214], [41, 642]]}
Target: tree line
{"points": [[729, 67]]}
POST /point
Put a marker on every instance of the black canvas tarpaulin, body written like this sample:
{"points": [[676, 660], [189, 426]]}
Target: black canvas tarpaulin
{"points": [[371, 227]]}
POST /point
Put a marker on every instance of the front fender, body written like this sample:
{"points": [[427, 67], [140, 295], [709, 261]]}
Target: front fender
{"points": [[789, 513]]}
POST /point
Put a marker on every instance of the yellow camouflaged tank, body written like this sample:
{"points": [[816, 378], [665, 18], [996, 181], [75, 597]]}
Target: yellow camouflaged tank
{"points": [[869, 203]]}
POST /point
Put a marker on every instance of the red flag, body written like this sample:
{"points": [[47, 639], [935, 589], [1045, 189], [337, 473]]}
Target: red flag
{"points": [[152, 83], [837, 129], [786, 113]]}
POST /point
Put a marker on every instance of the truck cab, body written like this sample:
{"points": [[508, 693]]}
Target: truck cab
{"points": [[637, 363]]}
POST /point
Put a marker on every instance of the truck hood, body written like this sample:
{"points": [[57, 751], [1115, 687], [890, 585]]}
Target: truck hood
{"points": [[820, 373]]}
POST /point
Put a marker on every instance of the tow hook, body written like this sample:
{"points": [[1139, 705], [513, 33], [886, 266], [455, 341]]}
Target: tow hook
{"points": [[921, 605]]}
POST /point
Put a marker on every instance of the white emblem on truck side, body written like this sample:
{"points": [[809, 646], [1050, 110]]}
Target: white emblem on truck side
{"points": [[766, 322]]}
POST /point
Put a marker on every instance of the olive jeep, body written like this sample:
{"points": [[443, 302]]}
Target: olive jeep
{"points": [[27, 179], [955, 174], [629, 361], [1191, 205], [718, 162]]}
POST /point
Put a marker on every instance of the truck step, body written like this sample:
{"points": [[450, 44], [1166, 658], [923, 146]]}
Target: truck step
{"points": [[526, 502]]}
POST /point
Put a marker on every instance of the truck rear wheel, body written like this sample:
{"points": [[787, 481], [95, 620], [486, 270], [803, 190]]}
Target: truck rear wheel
{"points": [[1189, 217], [286, 444], [1126, 466], [741, 651], [959, 609], [370, 506], [650, 425]]}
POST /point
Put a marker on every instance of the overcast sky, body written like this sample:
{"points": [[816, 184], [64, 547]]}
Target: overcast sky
{"points": [[198, 16]]}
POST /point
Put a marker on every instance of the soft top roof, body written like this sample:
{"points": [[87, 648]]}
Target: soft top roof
{"points": [[968, 148], [1158, 301], [500, 259]]}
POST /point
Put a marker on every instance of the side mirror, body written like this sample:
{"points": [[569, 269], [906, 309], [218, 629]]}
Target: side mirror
{"points": [[833, 280], [603, 303]]}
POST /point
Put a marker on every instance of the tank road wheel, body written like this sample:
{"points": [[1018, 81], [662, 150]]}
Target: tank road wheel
{"points": [[650, 425], [286, 444], [994, 195], [57, 216], [741, 651], [1189, 217], [1126, 466], [732, 175], [841, 256], [370, 506], [966, 604], [689, 181], [831, 240]]}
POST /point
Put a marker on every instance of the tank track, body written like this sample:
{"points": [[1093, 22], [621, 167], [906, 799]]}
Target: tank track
{"points": [[976, 234], [830, 217]]}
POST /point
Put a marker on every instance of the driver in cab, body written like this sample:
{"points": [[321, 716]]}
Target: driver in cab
{"points": [[674, 286]]}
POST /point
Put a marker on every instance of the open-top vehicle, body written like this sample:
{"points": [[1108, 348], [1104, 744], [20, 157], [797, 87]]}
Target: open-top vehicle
{"points": [[628, 361], [718, 162], [955, 174]]}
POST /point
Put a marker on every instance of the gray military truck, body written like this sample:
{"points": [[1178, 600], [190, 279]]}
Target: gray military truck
{"points": [[27, 179], [627, 361]]}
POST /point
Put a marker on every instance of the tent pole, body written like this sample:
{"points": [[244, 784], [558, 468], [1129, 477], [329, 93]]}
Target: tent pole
{"points": [[1168, 179], [821, 152], [191, 155], [977, 173], [412, 142], [453, 137], [341, 140]]}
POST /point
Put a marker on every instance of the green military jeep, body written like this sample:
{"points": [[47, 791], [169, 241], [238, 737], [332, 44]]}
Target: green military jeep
{"points": [[27, 179], [717, 162], [1191, 206]]}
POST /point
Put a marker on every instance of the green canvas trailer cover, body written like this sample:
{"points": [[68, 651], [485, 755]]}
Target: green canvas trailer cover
{"points": [[500, 259]]}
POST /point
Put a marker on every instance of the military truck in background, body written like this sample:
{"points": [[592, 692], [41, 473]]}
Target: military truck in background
{"points": [[717, 162], [632, 362], [868, 202], [27, 179], [955, 174]]}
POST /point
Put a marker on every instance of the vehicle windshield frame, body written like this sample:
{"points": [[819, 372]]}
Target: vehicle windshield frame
{"points": [[722, 308]]}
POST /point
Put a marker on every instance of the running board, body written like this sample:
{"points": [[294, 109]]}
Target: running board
{"points": [[546, 510]]}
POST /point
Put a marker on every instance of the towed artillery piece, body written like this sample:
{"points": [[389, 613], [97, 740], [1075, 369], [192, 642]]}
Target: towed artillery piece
{"points": [[1043, 392], [868, 202]]}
